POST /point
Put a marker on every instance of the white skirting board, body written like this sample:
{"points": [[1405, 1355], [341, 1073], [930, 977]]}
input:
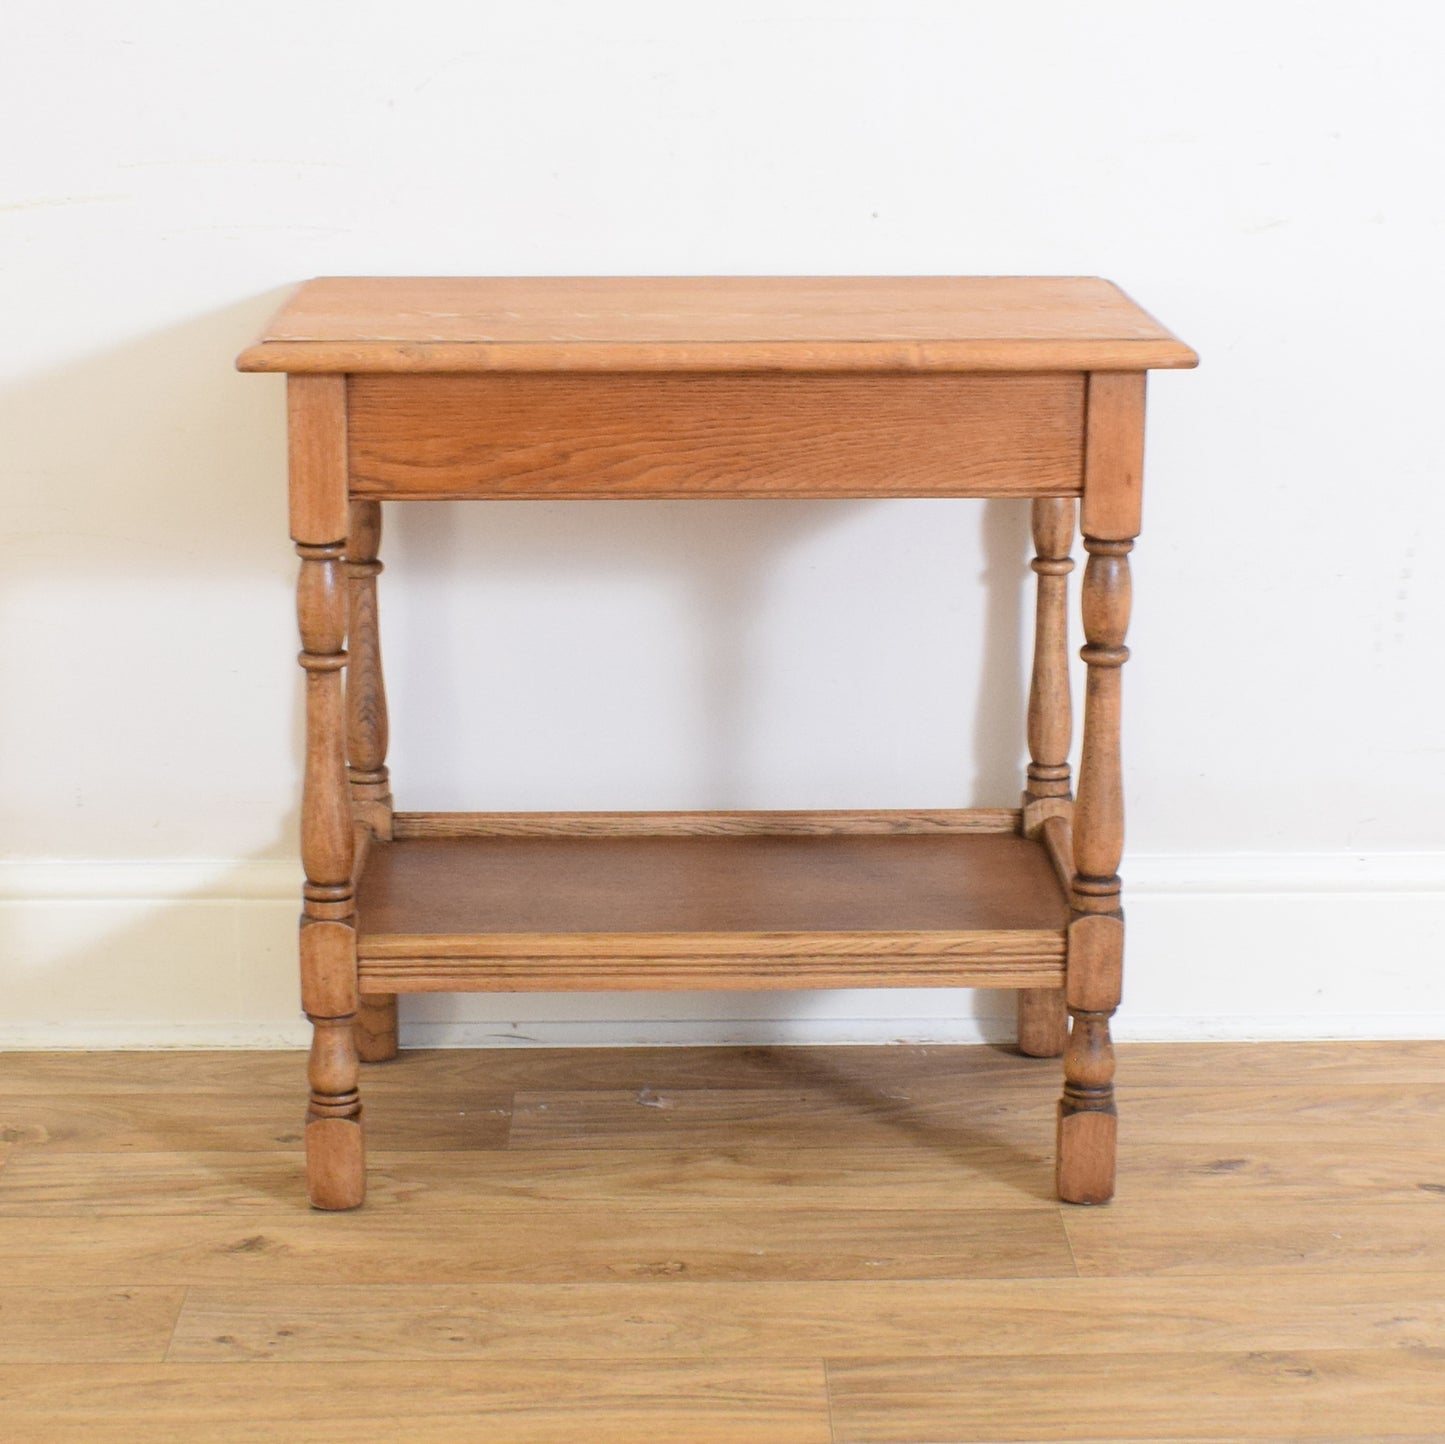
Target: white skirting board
{"points": [[1233, 946]]}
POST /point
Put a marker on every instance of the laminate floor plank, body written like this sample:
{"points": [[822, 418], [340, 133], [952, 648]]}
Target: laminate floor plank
{"points": [[1389, 1168], [949, 1114], [756, 1402], [1256, 1235], [877, 1114], [141, 1122], [558, 1243], [783, 1118], [74, 1323], [671, 1243], [1273, 1394], [1187, 1172], [836, 1320], [457, 1184]]}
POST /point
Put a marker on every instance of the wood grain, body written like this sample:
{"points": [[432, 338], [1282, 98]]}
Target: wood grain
{"points": [[366, 716], [535, 912], [255, 1120], [957, 884], [718, 323], [617, 962], [657, 437], [316, 439], [366, 744], [1043, 1020], [792, 1118], [1088, 1122], [513, 1403], [731, 1168], [1050, 714], [1265, 1235], [1273, 1267], [1114, 456], [1259, 1394], [561, 1243], [920, 1318], [704, 824], [708, 387], [74, 1323]]}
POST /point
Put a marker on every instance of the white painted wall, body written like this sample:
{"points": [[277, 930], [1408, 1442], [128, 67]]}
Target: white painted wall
{"points": [[1262, 175]]}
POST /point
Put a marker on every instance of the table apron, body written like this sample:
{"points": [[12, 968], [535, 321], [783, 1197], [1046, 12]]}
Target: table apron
{"points": [[639, 436]]}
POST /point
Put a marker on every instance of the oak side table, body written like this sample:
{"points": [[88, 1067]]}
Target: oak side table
{"points": [[422, 389]]}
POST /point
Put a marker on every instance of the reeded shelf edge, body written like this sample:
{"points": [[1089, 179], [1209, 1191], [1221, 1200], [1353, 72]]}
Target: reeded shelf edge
{"points": [[1036, 965], [1012, 945], [854, 821]]}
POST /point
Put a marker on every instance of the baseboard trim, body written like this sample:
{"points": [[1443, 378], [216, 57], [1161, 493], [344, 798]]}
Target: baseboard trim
{"points": [[201, 954], [1145, 874]]}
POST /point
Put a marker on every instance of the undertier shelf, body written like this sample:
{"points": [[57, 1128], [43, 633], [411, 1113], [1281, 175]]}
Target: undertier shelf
{"points": [[575, 902]]}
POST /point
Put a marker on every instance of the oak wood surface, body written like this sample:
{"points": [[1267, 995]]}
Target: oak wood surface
{"points": [[317, 461], [703, 824], [1050, 713], [1043, 1022], [620, 962], [738, 909], [366, 716], [729, 323], [366, 744], [765, 883], [1114, 456], [672, 387], [678, 436], [1088, 1118], [1272, 1268]]}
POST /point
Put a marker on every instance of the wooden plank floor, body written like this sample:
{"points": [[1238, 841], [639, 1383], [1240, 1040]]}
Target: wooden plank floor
{"points": [[736, 1245]]}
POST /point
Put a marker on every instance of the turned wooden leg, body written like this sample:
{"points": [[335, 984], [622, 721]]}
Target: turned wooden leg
{"points": [[335, 1157], [1043, 1024], [1088, 1121], [366, 739], [335, 1168]]}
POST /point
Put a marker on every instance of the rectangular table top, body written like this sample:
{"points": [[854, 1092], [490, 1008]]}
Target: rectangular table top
{"points": [[717, 323]]}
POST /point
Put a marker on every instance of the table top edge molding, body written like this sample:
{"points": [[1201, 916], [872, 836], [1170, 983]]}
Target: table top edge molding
{"points": [[724, 323]]}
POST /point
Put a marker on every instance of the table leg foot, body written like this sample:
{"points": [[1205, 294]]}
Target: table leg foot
{"points": [[1087, 1146], [1043, 1022], [1088, 1120], [376, 1036], [335, 1163]]}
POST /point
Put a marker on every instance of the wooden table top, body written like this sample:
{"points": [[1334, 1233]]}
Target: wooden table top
{"points": [[730, 323]]}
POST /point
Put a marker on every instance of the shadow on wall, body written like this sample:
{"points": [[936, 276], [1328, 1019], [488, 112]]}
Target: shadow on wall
{"points": [[148, 472], [717, 564], [799, 634]]}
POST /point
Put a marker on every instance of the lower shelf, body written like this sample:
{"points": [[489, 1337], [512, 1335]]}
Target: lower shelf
{"points": [[599, 902]]}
